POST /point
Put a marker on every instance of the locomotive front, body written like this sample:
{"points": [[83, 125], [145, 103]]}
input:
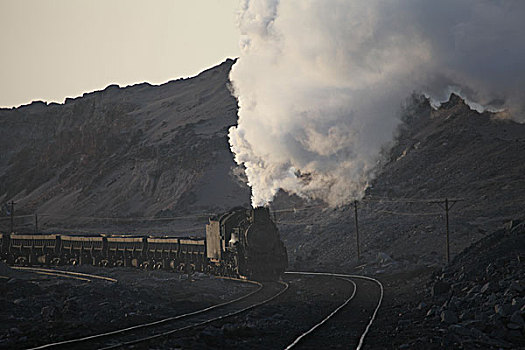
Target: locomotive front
{"points": [[265, 254], [246, 242]]}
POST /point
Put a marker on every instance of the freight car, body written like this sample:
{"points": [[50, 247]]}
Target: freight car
{"points": [[137, 251], [240, 243], [82, 250], [34, 249]]}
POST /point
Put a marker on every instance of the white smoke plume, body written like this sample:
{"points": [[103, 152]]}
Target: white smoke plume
{"points": [[320, 83]]}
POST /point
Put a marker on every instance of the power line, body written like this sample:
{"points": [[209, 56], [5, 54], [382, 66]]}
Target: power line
{"points": [[293, 209], [408, 200], [206, 215], [293, 223], [167, 218], [405, 213], [16, 217]]}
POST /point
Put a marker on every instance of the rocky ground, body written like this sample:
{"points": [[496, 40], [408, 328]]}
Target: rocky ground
{"points": [[38, 309], [277, 324], [477, 302]]}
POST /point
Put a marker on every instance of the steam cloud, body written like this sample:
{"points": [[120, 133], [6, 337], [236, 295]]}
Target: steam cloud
{"points": [[320, 83]]}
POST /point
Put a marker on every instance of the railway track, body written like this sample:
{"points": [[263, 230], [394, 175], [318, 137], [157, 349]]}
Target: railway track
{"points": [[313, 336], [322, 310], [155, 331], [300, 340], [86, 277]]}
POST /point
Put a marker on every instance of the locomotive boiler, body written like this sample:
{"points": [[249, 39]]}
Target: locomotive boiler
{"points": [[246, 243]]}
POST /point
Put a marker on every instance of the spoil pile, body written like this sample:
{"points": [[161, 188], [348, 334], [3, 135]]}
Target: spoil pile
{"points": [[478, 301]]}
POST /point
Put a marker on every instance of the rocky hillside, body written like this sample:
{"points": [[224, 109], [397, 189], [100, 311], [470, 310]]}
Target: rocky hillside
{"points": [[145, 154], [139, 151], [477, 302], [453, 152]]}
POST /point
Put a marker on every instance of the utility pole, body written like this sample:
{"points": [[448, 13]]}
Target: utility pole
{"points": [[448, 232], [357, 231], [12, 216], [447, 205]]}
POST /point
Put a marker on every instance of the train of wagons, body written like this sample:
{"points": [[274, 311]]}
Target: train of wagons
{"points": [[240, 243]]}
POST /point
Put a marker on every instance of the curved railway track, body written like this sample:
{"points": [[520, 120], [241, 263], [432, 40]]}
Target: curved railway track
{"points": [[86, 277], [157, 331], [348, 278], [322, 310], [154, 331]]}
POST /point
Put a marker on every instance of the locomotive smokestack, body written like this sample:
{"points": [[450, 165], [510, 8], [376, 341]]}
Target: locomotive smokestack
{"points": [[260, 214]]}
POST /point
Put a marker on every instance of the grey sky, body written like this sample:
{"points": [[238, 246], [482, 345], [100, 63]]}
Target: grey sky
{"points": [[52, 49]]}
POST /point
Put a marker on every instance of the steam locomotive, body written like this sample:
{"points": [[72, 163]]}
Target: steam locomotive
{"points": [[240, 243], [247, 243]]}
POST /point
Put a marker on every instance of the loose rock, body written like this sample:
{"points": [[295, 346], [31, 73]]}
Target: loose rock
{"points": [[448, 316]]}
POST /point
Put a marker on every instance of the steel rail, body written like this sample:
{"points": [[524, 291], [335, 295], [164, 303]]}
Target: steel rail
{"points": [[372, 319], [54, 271], [150, 324], [299, 338], [222, 317], [61, 275]]}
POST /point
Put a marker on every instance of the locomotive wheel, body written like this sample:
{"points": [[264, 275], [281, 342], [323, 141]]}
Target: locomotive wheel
{"points": [[21, 260], [181, 267], [135, 262]]}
